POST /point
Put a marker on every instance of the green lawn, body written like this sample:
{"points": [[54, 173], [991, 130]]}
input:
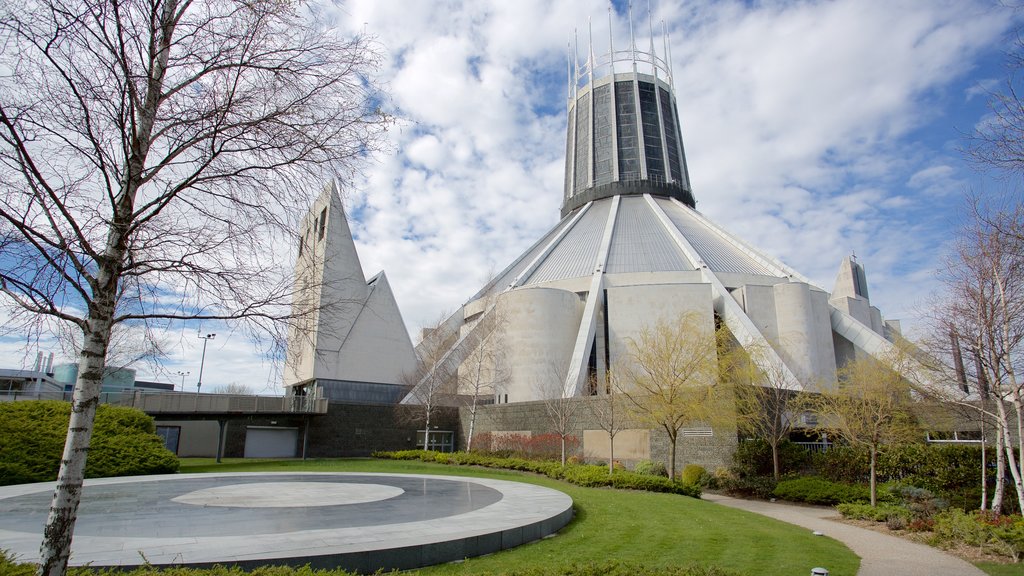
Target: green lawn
{"points": [[656, 529]]}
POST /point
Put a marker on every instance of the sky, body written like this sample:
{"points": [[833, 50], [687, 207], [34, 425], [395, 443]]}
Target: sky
{"points": [[812, 130]]}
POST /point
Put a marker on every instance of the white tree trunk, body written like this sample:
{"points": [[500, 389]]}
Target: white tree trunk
{"points": [[1000, 487], [56, 546]]}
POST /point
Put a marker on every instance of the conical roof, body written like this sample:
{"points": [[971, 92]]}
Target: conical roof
{"points": [[631, 251]]}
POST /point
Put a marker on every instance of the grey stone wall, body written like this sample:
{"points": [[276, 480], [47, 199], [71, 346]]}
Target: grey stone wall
{"points": [[358, 430], [711, 452]]}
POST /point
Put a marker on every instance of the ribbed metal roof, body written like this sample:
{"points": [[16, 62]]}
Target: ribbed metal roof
{"points": [[509, 274], [640, 243], [717, 253], [576, 253]]}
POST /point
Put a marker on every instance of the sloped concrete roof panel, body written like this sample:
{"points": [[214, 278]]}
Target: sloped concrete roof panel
{"points": [[576, 254], [718, 254], [641, 244]]}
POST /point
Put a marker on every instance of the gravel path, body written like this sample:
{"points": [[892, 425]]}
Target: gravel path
{"points": [[881, 554]]}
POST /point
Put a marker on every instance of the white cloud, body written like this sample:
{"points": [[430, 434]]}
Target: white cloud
{"points": [[798, 120]]}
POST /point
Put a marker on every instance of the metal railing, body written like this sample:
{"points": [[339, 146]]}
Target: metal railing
{"points": [[21, 395], [185, 403], [182, 403], [814, 446]]}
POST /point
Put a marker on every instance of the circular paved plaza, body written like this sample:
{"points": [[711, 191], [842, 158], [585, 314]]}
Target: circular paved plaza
{"points": [[355, 521]]}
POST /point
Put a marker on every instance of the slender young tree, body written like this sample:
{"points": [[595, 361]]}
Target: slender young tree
{"points": [[669, 380], [485, 369], [765, 402], [562, 411], [154, 156], [870, 408], [434, 383], [609, 411]]}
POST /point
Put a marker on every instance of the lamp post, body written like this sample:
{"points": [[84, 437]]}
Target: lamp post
{"points": [[182, 374], [205, 340]]}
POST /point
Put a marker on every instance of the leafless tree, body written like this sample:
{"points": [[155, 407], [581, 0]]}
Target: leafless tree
{"points": [[434, 383], [998, 140], [485, 369], [233, 388], [154, 156], [765, 403], [984, 309], [561, 410], [609, 411]]}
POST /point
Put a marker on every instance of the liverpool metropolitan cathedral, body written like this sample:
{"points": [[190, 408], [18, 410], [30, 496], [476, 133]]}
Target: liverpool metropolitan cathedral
{"points": [[631, 251]]}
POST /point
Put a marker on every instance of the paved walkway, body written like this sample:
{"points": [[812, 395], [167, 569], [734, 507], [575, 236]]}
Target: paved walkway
{"points": [[881, 554]]}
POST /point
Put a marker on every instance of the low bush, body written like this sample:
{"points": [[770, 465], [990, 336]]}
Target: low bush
{"points": [[746, 486], [581, 474], [815, 490], [587, 475], [695, 475], [879, 513], [124, 442], [634, 481], [1002, 535], [651, 468], [754, 458]]}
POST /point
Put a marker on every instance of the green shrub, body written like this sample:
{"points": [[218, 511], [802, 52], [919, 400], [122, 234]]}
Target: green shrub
{"points": [[582, 474], [587, 475], [1002, 535], [951, 472], [633, 481], [815, 490], [754, 458], [651, 468], [123, 442], [695, 475], [747, 486], [879, 513]]}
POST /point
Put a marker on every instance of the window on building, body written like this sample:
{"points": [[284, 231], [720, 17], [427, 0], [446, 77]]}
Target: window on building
{"points": [[323, 224], [171, 435]]}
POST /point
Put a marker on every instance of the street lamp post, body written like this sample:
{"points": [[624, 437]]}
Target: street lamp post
{"points": [[183, 374], [205, 340]]}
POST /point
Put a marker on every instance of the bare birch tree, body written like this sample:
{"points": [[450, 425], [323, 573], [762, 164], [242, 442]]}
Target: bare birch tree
{"points": [[984, 308], [154, 156], [670, 378], [485, 369]]}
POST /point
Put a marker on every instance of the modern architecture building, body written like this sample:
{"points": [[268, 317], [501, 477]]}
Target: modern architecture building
{"points": [[631, 250], [348, 341]]}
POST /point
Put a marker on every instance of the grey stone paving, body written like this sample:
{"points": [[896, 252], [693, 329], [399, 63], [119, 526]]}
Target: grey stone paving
{"points": [[356, 521], [881, 554]]}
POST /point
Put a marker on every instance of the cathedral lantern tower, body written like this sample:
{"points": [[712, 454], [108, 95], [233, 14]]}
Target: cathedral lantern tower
{"points": [[623, 134]]}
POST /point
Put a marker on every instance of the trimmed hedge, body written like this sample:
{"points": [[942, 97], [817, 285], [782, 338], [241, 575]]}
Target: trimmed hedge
{"points": [[948, 470], [32, 433], [587, 475], [815, 490]]}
